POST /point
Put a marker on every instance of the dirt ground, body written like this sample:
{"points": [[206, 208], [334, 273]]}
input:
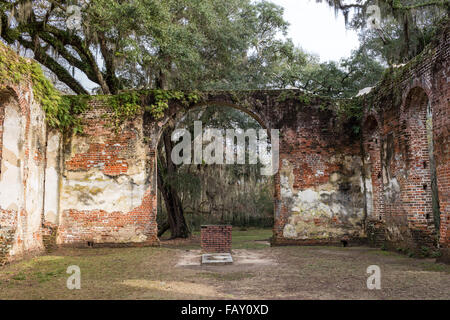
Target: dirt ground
{"points": [[259, 271]]}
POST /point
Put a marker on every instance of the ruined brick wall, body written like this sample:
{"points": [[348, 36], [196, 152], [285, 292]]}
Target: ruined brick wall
{"points": [[318, 193], [108, 192], [22, 172], [216, 238], [107, 175], [321, 199], [100, 186], [405, 209], [440, 102]]}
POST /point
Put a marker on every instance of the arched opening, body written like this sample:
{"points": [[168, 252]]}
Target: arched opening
{"points": [[225, 185], [11, 153], [419, 155]]}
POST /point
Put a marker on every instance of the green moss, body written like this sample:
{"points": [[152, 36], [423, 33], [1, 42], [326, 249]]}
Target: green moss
{"points": [[128, 104]]}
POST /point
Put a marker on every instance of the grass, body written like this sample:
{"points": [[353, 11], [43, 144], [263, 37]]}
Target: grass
{"points": [[436, 267], [251, 238], [45, 276], [152, 273]]}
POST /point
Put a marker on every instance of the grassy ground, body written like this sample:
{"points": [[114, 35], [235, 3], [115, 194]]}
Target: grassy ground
{"points": [[259, 272], [242, 239]]}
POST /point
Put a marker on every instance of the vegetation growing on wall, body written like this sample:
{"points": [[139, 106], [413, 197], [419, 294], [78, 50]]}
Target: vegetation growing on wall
{"points": [[127, 105], [63, 112]]}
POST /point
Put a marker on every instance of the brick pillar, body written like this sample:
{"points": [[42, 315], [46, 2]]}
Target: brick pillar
{"points": [[372, 146], [216, 238]]}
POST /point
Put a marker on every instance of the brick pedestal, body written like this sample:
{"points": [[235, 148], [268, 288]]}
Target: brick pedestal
{"points": [[216, 238]]}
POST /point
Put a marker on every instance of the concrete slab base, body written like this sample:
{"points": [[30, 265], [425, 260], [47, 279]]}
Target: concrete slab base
{"points": [[217, 258]]}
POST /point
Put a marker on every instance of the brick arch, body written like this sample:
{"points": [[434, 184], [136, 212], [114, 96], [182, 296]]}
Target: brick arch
{"points": [[414, 87], [416, 96], [370, 124], [178, 112], [417, 195], [11, 195]]}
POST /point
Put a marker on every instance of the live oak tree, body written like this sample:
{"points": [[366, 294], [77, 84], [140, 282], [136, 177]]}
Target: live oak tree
{"points": [[171, 44], [399, 30]]}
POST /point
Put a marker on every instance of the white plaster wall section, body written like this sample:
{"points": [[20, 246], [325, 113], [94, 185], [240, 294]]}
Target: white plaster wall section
{"points": [[52, 179], [93, 190], [286, 179], [96, 191], [367, 182], [11, 189], [308, 203], [324, 202], [34, 196], [11, 180], [289, 231], [392, 189]]}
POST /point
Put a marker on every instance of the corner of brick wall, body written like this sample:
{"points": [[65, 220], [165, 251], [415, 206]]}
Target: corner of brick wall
{"points": [[216, 238]]}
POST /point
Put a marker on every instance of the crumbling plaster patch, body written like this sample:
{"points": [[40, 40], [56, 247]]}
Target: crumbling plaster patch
{"points": [[92, 190], [324, 211]]}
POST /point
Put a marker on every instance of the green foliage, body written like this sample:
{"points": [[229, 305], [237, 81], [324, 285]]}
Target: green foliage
{"points": [[125, 105], [436, 254], [425, 251], [162, 97], [153, 44], [69, 110], [406, 26], [58, 109], [63, 112]]}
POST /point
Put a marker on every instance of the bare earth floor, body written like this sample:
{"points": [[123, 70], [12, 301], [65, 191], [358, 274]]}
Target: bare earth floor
{"points": [[258, 272]]}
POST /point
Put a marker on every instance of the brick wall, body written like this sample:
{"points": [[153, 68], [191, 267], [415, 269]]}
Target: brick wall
{"points": [[441, 132], [107, 196], [400, 106], [216, 238], [319, 192]]}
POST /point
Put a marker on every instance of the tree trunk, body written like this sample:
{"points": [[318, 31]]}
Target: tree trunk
{"points": [[175, 213], [163, 228]]}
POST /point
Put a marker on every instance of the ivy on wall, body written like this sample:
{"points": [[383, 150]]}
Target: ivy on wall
{"points": [[126, 106]]}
